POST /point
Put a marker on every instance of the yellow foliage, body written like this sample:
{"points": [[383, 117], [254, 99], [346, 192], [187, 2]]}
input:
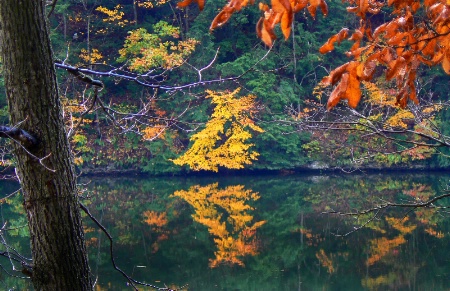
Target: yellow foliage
{"points": [[377, 96], [235, 236], [144, 50], [78, 161], [223, 142], [398, 120], [384, 98], [93, 57], [113, 15], [150, 4], [145, 4], [151, 133], [77, 18]]}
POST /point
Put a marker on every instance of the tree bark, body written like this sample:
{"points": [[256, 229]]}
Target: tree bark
{"points": [[46, 171]]}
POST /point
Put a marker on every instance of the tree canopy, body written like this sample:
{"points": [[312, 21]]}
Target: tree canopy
{"points": [[414, 33]]}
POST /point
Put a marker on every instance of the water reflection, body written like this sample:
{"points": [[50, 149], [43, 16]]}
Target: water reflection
{"points": [[268, 233], [226, 214]]}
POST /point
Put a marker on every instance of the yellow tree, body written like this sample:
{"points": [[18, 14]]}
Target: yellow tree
{"points": [[223, 141]]}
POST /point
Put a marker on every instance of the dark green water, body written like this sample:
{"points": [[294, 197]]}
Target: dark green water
{"points": [[265, 232]]}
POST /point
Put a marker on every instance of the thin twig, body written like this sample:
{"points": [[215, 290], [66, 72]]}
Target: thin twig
{"points": [[132, 281]]}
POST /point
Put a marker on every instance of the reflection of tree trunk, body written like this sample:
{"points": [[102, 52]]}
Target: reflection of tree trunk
{"points": [[50, 192]]}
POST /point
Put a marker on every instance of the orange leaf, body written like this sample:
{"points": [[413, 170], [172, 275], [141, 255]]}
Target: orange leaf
{"points": [[357, 35], [365, 70], [335, 75], [286, 23], [185, 3], [402, 98], [395, 67], [446, 64], [348, 88], [324, 7], [363, 7], [312, 7], [338, 92], [386, 56], [222, 17], [298, 5], [283, 8], [265, 32], [338, 37], [353, 92]]}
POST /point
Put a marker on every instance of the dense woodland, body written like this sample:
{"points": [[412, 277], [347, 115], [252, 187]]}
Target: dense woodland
{"points": [[266, 119], [165, 87]]}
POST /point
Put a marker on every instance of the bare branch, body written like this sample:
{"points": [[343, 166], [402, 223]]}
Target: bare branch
{"points": [[132, 281], [19, 135]]}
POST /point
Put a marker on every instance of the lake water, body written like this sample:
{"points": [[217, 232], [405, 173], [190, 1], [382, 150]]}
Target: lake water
{"points": [[263, 232]]}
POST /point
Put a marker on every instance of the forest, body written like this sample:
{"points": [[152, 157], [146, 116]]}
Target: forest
{"points": [[223, 99], [165, 88]]}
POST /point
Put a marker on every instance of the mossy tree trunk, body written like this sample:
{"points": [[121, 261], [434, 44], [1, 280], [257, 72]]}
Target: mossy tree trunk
{"points": [[46, 171]]}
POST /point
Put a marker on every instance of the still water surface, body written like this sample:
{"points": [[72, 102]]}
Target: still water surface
{"points": [[266, 232]]}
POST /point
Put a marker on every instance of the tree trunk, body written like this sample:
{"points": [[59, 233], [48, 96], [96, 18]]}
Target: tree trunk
{"points": [[46, 171]]}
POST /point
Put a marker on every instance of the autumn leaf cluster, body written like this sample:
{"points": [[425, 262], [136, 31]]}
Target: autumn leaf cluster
{"points": [[224, 140], [414, 33]]}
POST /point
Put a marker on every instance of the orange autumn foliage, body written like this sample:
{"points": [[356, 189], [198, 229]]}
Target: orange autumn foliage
{"points": [[380, 247], [415, 33], [325, 261], [226, 214], [155, 219]]}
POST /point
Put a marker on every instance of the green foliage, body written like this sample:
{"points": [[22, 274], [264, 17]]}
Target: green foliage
{"points": [[146, 50], [282, 80], [280, 147]]}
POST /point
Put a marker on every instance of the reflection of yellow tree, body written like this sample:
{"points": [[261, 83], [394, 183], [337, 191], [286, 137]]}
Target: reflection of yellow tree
{"points": [[380, 247], [233, 236]]}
